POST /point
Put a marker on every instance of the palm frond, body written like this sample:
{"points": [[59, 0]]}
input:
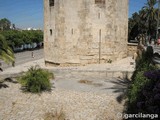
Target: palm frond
{"points": [[6, 53]]}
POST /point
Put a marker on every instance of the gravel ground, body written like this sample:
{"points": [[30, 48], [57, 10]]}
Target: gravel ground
{"points": [[78, 101], [76, 105]]}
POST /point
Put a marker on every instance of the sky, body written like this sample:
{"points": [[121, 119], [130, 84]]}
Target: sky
{"points": [[135, 6], [23, 13], [29, 13]]}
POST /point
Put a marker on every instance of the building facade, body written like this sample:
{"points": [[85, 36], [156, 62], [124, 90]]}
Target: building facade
{"points": [[85, 31]]}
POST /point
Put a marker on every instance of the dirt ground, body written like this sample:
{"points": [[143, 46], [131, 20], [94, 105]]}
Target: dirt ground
{"points": [[78, 93]]}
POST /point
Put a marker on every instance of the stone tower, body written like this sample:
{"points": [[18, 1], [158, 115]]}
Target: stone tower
{"points": [[85, 31]]}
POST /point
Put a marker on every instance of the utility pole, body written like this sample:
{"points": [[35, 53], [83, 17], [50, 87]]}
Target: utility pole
{"points": [[157, 35]]}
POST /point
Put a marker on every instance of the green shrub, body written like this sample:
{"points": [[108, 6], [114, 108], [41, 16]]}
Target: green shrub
{"points": [[139, 81], [109, 61], [137, 86], [36, 80], [149, 53]]}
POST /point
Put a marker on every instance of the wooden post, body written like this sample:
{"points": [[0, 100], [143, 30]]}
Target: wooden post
{"points": [[99, 46]]}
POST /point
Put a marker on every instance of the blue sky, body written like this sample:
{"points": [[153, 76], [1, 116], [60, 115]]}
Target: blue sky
{"points": [[23, 13], [29, 13], [135, 5]]}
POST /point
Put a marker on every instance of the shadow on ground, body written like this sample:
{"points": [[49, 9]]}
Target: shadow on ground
{"points": [[3, 85], [8, 79], [120, 86]]}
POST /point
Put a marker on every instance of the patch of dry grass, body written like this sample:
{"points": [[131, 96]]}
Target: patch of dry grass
{"points": [[88, 82], [57, 115]]}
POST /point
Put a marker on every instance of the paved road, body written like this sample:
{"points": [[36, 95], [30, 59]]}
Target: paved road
{"points": [[23, 57]]}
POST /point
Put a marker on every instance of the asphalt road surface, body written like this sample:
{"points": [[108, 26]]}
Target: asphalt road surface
{"points": [[23, 57]]}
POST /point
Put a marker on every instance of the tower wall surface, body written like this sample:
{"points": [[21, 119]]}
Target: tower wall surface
{"points": [[85, 31]]}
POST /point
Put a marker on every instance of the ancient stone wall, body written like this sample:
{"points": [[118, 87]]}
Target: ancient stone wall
{"points": [[132, 48], [85, 31]]}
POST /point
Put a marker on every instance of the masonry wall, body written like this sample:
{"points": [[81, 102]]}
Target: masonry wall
{"points": [[132, 48], [83, 32]]}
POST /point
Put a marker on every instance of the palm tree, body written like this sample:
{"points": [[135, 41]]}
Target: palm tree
{"points": [[150, 15], [6, 53], [136, 25], [158, 16]]}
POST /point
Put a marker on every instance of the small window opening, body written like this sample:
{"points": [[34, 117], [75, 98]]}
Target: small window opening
{"points": [[50, 31], [99, 15], [99, 1], [51, 2], [72, 31]]}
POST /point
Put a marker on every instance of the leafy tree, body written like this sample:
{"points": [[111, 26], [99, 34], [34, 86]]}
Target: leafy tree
{"points": [[26, 37], [134, 25], [13, 37], [18, 41], [16, 38], [6, 53], [144, 21], [38, 36], [14, 26], [5, 24]]}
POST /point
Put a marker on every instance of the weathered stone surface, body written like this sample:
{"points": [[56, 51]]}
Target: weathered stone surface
{"points": [[132, 48], [76, 28]]}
